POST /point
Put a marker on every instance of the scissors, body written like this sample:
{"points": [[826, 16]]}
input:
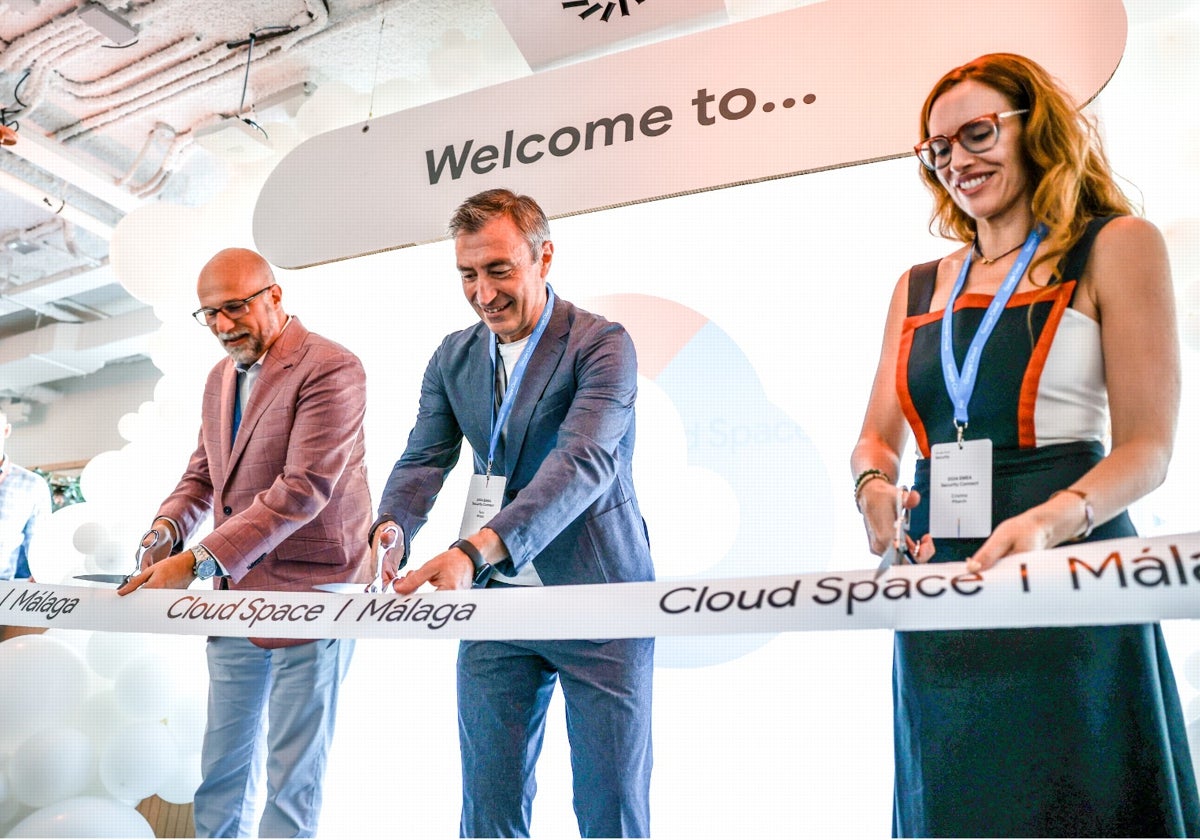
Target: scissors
{"points": [[898, 548], [149, 540], [388, 535]]}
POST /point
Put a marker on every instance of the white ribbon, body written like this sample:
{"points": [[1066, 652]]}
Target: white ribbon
{"points": [[1126, 581]]}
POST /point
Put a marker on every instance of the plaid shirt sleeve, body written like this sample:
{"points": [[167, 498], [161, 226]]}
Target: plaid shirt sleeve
{"points": [[24, 509]]}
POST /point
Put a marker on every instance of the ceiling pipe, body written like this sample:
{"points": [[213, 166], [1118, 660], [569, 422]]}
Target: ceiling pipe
{"points": [[37, 40], [122, 78], [55, 205], [46, 154], [160, 88]]}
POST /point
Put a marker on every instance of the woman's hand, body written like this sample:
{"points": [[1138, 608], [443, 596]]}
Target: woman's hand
{"points": [[878, 504], [1051, 523]]}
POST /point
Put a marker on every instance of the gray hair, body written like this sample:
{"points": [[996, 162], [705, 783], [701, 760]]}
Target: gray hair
{"points": [[525, 213]]}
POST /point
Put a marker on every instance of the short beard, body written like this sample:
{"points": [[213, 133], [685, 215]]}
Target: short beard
{"points": [[246, 354]]}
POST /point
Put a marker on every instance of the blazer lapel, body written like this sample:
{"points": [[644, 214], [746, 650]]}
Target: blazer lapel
{"points": [[537, 376], [476, 385], [278, 359], [219, 453]]}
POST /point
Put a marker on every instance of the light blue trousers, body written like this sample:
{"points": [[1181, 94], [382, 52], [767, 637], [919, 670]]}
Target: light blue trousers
{"points": [[279, 705]]}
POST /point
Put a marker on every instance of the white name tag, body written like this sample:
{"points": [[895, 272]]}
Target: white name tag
{"points": [[960, 483], [484, 499]]}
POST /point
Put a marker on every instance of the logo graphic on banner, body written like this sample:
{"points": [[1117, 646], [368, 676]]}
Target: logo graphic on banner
{"points": [[587, 8], [799, 91], [554, 32], [737, 433]]}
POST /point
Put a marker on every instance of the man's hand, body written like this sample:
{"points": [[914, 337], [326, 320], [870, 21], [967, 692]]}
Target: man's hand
{"points": [[386, 559], [449, 570], [175, 572], [156, 544]]}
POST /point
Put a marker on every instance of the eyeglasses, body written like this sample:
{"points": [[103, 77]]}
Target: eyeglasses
{"points": [[978, 135], [234, 309]]}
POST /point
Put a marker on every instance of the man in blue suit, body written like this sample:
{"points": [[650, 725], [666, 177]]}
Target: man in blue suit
{"points": [[544, 394]]}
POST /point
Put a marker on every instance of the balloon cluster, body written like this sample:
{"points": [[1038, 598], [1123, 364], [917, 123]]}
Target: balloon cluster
{"points": [[93, 723]]}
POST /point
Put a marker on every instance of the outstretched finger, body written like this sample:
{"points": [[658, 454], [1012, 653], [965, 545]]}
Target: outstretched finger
{"points": [[134, 582], [409, 583]]}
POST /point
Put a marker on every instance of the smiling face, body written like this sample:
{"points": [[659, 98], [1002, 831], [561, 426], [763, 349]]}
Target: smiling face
{"points": [[233, 275], [988, 186], [503, 282]]}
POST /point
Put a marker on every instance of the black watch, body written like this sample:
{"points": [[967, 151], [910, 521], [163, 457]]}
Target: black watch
{"points": [[483, 569]]}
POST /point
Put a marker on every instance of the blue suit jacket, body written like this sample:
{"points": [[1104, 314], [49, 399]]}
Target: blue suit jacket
{"points": [[569, 504]]}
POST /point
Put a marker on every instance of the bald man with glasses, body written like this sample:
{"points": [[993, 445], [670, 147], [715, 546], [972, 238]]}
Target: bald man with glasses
{"points": [[279, 465]]}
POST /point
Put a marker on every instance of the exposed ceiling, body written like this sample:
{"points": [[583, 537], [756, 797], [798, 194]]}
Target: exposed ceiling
{"points": [[119, 104]]}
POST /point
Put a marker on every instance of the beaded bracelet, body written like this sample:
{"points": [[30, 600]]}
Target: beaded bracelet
{"points": [[1089, 513], [865, 477]]}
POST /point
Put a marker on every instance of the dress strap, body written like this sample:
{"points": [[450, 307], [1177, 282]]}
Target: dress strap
{"points": [[921, 280], [1071, 266]]}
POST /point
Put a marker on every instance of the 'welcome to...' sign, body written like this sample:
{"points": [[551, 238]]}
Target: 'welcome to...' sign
{"points": [[827, 85]]}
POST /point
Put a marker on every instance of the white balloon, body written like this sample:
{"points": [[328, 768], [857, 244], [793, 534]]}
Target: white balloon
{"points": [[180, 787], [53, 765], [136, 759], [84, 816], [107, 653], [89, 537], [130, 426], [169, 276], [10, 810], [42, 681], [76, 640], [144, 687], [103, 477], [188, 717], [55, 558], [100, 718], [112, 555]]}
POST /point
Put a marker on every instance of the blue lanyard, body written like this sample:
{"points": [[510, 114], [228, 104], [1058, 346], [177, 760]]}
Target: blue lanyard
{"points": [[960, 386], [518, 374]]}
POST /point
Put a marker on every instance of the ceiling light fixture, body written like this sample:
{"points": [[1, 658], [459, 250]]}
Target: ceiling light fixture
{"points": [[21, 246], [109, 24]]}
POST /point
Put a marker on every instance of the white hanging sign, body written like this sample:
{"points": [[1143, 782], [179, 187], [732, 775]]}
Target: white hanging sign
{"points": [[821, 86]]}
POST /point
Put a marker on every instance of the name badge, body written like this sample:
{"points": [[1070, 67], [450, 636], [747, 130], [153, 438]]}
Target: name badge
{"points": [[960, 484], [484, 499]]}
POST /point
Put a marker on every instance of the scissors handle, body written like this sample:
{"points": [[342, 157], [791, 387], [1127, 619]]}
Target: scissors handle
{"points": [[149, 540], [900, 538], [381, 549]]}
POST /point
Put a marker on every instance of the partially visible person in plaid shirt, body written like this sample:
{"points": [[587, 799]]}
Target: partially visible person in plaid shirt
{"points": [[24, 503]]}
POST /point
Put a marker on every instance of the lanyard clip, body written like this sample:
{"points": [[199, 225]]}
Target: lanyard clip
{"points": [[961, 427]]}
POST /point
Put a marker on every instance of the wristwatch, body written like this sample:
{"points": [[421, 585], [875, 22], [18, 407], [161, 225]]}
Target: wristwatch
{"points": [[483, 569], [206, 565]]}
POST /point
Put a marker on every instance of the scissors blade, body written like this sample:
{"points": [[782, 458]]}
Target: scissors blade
{"points": [[885, 562], [342, 588], [98, 578]]}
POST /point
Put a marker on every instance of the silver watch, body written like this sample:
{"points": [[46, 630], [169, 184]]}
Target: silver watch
{"points": [[206, 565]]}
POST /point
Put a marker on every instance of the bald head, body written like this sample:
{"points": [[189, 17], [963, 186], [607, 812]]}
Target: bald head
{"points": [[228, 279], [234, 273]]}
